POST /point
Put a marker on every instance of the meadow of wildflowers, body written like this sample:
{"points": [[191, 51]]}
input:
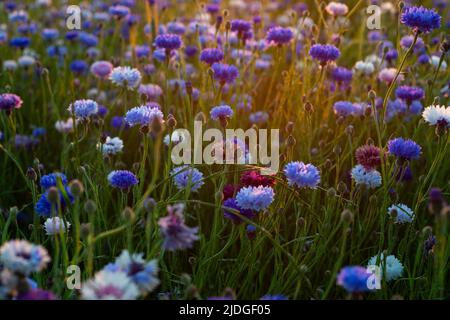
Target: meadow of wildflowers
{"points": [[94, 205]]}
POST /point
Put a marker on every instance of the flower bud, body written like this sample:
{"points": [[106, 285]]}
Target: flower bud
{"points": [[90, 206], [76, 188]]}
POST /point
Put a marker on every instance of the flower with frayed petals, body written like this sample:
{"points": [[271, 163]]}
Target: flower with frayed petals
{"points": [[36, 294], [336, 9], [44, 206], [150, 91], [255, 179], [101, 69], [221, 112], [23, 257], [55, 225], [225, 73], [370, 178], [122, 179], [119, 11], [142, 273], [343, 108], [324, 53], [255, 198], [168, 42], [240, 26], [111, 146], [126, 77], [10, 101], [302, 175], [83, 109], [176, 234], [143, 115], [368, 156], [230, 203], [404, 149], [107, 285], [354, 279], [186, 177], [211, 55], [437, 115], [401, 212], [393, 266], [421, 19], [409, 94], [279, 35], [51, 180]]}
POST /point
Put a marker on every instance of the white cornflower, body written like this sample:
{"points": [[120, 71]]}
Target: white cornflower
{"points": [[23, 257], [111, 146], [55, 225], [369, 178], [403, 213], [394, 268], [436, 114], [64, 126], [435, 60], [366, 68]]}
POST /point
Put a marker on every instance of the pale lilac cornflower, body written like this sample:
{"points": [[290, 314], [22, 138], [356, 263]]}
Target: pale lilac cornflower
{"points": [[150, 91], [186, 177], [83, 109], [369, 178], [143, 115], [112, 146], [176, 234], [336, 9], [101, 69], [393, 266], [23, 257], [126, 77], [403, 214], [387, 75], [107, 285], [56, 225], [302, 175], [255, 198]]}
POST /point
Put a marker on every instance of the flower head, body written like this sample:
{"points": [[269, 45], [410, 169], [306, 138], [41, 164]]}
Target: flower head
{"points": [[168, 41], [436, 115], [368, 156], [255, 179], [122, 179], [229, 214], [324, 53], [279, 35], [83, 109], [111, 146], [126, 77], [336, 9], [404, 149], [101, 69], [143, 115], [211, 55], [225, 73], [421, 19], [55, 225], [354, 279], [393, 266], [23, 257], [107, 285], [10, 101], [370, 178], [176, 234], [51, 180], [221, 112], [409, 94], [302, 175], [255, 198], [45, 204], [187, 177], [344, 108], [119, 11], [142, 273], [240, 26], [403, 214]]}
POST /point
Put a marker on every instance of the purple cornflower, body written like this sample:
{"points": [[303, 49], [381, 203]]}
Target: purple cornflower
{"points": [[211, 55], [150, 91], [168, 41], [240, 26], [10, 101], [101, 69], [354, 279], [302, 175], [221, 112], [324, 53], [343, 108], [119, 11], [421, 19], [231, 203], [36, 294], [122, 179], [176, 234], [225, 73], [341, 74], [368, 156], [186, 177], [409, 94], [404, 149], [78, 66], [279, 35], [255, 198]]}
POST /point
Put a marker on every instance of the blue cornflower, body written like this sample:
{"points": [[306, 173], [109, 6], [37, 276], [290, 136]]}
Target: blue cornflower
{"points": [[279, 35], [370, 178], [341, 74], [416, 107], [56, 51], [23, 257], [122, 179], [83, 109], [231, 203], [50, 34], [221, 112], [50, 180], [144, 274], [143, 115], [255, 198], [240, 26], [44, 207], [126, 77], [211, 55], [354, 279], [168, 41], [176, 28], [20, 42], [79, 66], [403, 214], [274, 297], [302, 175], [421, 19], [88, 39], [225, 73], [344, 108], [119, 11], [409, 94], [324, 53], [404, 149], [186, 177], [118, 122]]}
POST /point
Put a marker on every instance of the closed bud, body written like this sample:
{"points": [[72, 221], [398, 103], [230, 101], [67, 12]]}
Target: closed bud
{"points": [[372, 95], [13, 211], [308, 107], [347, 216], [85, 230], [291, 141], [290, 127], [128, 214], [90, 207], [149, 205], [331, 192], [337, 149], [171, 122], [200, 117], [76, 188], [31, 174], [157, 125], [53, 194], [328, 164], [301, 222], [427, 231], [342, 187], [349, 130]]}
